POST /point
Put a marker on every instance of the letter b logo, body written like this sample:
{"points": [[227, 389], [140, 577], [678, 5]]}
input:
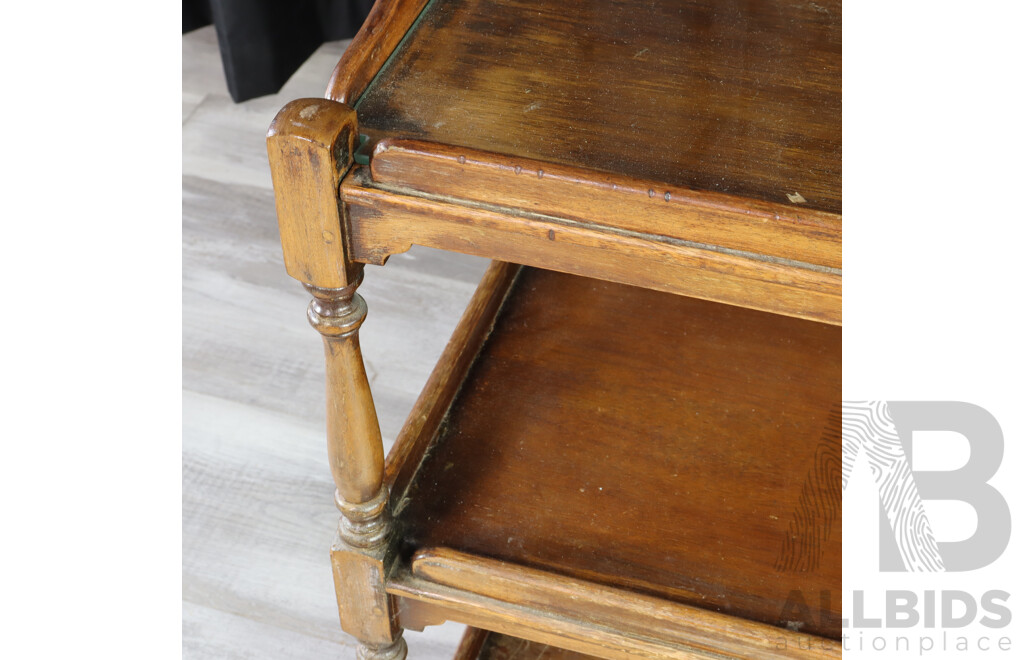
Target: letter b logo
{"points": [[883, 431]]}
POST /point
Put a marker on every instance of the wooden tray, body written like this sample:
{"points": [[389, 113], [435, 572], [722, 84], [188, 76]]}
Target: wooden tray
{"points": [[648, 443], [691, 147]]}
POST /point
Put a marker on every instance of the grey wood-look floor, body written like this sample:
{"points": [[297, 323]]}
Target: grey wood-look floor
{"points": [[258, 512]]}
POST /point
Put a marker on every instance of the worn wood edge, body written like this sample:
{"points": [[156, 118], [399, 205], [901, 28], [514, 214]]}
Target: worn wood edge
{"points": [[420, 602], [471, 644], [788, 232], [310, 147], [603, 605], [382, 31], [583, 617], [365, 610], [384, 222], [442, 387]]}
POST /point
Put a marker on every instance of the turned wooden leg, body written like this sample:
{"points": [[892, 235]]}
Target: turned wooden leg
{"points": [[354, 444], [360, 553], [310, 146]]}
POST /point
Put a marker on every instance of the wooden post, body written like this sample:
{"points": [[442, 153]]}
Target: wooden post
{"points": [[310, 145]]}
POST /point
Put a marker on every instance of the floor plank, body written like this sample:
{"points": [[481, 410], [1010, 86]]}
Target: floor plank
{"points": [[257, 509]]}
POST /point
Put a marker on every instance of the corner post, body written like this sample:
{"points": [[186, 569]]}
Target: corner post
{"points": [[310, 145]]}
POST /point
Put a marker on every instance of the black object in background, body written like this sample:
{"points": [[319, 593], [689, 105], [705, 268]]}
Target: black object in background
{"points": [[263, 42]]}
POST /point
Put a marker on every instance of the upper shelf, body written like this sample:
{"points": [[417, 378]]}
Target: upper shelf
{"points": [[732, 97]]}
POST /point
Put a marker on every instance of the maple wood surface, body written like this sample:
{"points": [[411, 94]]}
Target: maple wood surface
{"points": [[685, 478], [737, 97]]}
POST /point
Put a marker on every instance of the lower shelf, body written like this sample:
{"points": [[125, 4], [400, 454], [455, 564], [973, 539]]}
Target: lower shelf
{"points": [[484, 645], [672, 447]]}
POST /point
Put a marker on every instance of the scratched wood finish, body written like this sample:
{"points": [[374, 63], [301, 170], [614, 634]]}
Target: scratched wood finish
{"points": [[669, 629], [737, 97], [782, 231], [309, 146], [381, 32], [383, 223], [685, 478]]}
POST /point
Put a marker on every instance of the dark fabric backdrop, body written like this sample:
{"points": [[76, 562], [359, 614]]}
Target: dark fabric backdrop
{"points": [[263, 42]]}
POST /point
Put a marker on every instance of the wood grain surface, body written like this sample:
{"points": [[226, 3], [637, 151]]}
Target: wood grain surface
{"points": [[310, 146], [384, 28], [425, 602], [434, 401], [383, 222], [737, 97], [665, 628], [783, 231], [645, 441]]}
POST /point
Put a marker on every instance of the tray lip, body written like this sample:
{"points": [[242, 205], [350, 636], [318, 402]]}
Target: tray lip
{"points": [[606, 622], [716, 221], [386, 26], [385, 220]]}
